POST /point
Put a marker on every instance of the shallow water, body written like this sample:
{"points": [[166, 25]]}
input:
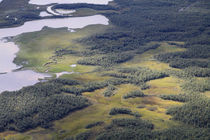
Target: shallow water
{"points": [[73, 65], [63, 73], [45, 2], [16, 80], [44, 14]]}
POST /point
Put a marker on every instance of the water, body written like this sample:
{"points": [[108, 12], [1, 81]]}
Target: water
{"points": [[37, 25], [73, 65], [7, 55], [45, 2], [16, 80], [10, 80], [63, 73], [44, 14]]}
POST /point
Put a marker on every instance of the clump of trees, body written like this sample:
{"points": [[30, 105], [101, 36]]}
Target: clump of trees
{"points": [[116, 111], [62, 52], [106, 60], [195, 112], [182, 133], [91, 125], [84, 5], [197, 85], [145, 86], [69, 138], [69, 82], [190, 72], [109, 91], [137, 76], [85, 87], [197, 72], [124, 129], [37, 105], [177, 97], [132, 123], [134, 94], [195, 56], [83, 136], [184, 63]]}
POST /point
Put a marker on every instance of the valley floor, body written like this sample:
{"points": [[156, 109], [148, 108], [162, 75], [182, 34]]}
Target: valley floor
{"points": [[153, 85]]}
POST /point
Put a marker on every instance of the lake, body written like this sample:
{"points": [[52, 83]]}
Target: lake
{"points": [[16, 80], [71, 22]]}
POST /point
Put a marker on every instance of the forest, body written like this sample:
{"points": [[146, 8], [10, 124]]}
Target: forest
{"points": [[159, 25], [37, 105], [127, 96]]}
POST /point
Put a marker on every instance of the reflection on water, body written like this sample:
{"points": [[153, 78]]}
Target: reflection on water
{"points": [[45, 2], [16, 80]]}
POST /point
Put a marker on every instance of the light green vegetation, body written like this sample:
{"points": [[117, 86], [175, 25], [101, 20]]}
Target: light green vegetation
{"points": [[38, 49]]}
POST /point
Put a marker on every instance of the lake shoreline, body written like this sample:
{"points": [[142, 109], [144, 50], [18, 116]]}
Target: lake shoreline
{"points": [[38, 25]]}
